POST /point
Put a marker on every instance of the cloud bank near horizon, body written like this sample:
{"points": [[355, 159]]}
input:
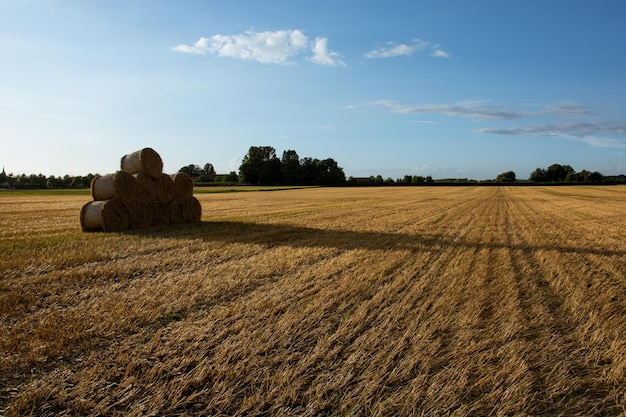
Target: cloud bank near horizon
{"points": [[593, 132]]}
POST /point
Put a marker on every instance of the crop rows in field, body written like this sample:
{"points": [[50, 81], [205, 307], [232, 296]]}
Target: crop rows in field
{"points": [[378, 301]]}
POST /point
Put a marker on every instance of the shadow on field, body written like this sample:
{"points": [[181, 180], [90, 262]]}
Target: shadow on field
{"points": [[272, 235]]}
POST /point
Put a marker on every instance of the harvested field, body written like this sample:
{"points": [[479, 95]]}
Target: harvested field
{"points": [[360, 301]]}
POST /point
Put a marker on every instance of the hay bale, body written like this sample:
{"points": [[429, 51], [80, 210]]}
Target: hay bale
{"points": [[147, 187], [160, 213], [147, 160], [165, 188], [121, 185], [104, 215], [192, 210], [183, 185], [185, 210], [140, 215], [177, 209]]}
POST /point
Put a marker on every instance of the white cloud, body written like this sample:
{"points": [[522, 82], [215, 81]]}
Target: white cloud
{"points": [[566, 107], [266, 47], [234, 163], [440, 53], [277, 47], [322, 56], [467, 109], [481, 109], [391, 49], [586, 132], [594, 133]]}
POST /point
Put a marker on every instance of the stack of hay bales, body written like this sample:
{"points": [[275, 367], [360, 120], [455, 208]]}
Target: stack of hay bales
{"points": [[140, 195]]}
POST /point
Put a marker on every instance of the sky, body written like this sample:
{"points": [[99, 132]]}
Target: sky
{"points": [[448, 89]]}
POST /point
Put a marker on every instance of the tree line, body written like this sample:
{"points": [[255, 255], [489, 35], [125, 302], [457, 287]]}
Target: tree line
{"points": [[40, 181], [262, 166]]}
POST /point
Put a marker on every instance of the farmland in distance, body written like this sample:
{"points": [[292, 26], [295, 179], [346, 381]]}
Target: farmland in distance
{"points": [[324, 301]]}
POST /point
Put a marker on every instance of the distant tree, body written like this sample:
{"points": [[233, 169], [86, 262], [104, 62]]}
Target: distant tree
{"points": [[538, 175], [261, 166], [231, 177], [292, 172], [506, 177], [192, 170], [595, 176], [54, 183], [329, 172], [558, 173], [309, 169], [209, 171], [272, 172]]}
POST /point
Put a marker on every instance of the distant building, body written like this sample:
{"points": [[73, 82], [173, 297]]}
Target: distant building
{"points": [[3, 180], [361, 180]]}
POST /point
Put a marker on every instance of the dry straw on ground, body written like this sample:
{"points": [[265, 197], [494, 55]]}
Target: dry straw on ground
{"points": [[149, 197], [383, 301]]}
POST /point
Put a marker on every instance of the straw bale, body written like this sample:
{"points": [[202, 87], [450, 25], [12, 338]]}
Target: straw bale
{"points": [[185, 210], [147, 187], [177, 209], [160, 213], [121, 185], [104, 215], [147, 160], [193, 210], [140, 215], [165, 188], [183, 185]]}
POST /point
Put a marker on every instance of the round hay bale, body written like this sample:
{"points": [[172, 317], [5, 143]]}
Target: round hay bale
{"points": [[192, 210], [121, 185], [160, 213], [140, 215], [147, 187], [104, 215], [147, 160], [177, 209], [185, 210], [183, 185], [102, 187], [165, 188]]}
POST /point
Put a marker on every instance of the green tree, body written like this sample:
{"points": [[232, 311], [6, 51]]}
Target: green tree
{"points": [[231, 177], [192, 170], [54, 183], [558, 173], [309, 170], [329, 172], [595, 176], [538, 175], [506, 177], [209, 171], [292, 172], [261, 166]]}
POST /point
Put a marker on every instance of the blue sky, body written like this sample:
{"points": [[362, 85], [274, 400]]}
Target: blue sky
{"points": [[440, 88]]}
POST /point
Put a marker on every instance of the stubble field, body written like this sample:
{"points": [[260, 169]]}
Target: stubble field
{"points": [[368, 301]]}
